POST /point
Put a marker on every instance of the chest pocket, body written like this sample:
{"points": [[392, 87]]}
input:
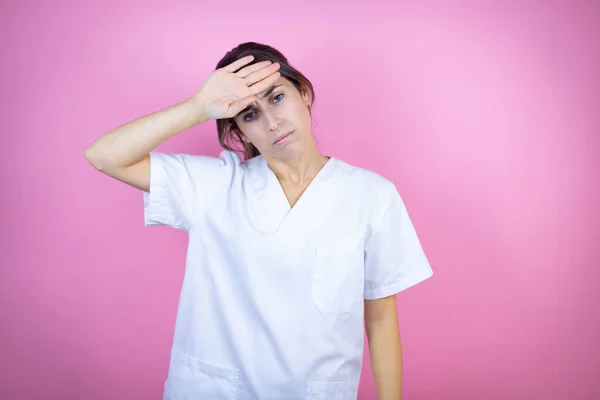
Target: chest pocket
{"points": [[337, 281]]}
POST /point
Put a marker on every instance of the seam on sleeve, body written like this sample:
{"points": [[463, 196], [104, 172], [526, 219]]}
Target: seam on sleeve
{"points": [[378, 212], [226, 164], [398, 286], [157, 195]]}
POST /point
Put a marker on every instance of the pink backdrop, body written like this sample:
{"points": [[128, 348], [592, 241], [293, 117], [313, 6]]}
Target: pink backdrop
{"points": [[485, 116]]}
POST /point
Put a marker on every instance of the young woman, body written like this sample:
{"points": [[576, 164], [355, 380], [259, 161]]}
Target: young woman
{"points": [[290, 251]]}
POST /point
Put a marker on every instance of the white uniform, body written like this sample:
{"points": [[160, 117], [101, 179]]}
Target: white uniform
{"points": [[271, 305]]}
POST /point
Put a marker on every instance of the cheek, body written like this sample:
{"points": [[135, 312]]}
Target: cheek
{"points": [[302, 114], [296, 112], [257, 137]]}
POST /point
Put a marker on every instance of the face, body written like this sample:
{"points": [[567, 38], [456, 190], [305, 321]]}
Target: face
{"points": [[267, 123]]}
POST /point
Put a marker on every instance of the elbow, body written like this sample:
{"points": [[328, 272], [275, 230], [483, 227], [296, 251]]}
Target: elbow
{"points": [[90, 157], [93, 158]]}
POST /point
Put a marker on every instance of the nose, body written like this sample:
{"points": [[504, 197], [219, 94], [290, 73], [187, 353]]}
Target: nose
{"points": [[273, 121]]}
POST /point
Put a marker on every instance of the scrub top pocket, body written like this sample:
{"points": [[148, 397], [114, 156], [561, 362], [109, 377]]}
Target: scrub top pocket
{"points": [[190, 378], [337, 275], [341, 390]]}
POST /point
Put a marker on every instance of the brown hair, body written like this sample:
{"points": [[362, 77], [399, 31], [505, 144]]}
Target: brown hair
{"points": [[229, 133]]}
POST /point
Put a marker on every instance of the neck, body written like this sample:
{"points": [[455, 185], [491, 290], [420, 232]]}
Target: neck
{"points": [[298, 170]]}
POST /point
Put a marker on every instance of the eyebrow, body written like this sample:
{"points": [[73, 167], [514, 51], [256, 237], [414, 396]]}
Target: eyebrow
{"points": [[267, 93]]}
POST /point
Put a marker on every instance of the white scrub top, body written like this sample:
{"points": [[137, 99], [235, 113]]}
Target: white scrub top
{"points": [[272, 298]]}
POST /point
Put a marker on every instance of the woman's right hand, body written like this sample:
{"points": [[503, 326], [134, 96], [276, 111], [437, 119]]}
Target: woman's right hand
{"points": [[225, 93]]}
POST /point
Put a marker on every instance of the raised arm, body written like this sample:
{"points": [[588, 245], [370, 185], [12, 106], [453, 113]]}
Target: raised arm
{"points": [[123, 153]]}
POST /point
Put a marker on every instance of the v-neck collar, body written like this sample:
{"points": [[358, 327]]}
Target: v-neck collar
{"points": [[273, 211], [273, 180]]}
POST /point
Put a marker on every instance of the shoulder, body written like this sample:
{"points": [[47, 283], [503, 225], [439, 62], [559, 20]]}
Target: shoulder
{"points": [[197, 170], [369, 191], [230, 159], [225, 158], [226, 164], [366, 182], [251, 163]]}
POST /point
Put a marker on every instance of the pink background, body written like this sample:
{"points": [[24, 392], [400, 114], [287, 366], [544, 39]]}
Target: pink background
{"points": [[485, 116]]}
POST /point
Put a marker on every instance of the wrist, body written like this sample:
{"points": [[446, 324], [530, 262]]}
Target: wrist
{"points": [[196, 110]]}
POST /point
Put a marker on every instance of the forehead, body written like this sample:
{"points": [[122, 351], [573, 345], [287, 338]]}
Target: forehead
{"points": [[283, 81], [279, 82]]}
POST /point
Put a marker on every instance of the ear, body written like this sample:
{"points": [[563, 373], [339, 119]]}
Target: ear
{"points": [[305, 97]]}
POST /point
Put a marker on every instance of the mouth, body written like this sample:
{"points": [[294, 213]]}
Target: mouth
{"points": [[283, 137]]}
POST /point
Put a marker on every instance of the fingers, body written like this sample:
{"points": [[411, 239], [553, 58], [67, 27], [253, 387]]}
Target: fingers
{"points": [[243, 73], [264, 84], [261, 74], [241, 104], [234, 66]]}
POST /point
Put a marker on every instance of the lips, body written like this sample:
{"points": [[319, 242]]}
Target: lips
{"points": [[285, 135]]}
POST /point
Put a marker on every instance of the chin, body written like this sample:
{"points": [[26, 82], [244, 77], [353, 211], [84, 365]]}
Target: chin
{"points": [[290, 152]]}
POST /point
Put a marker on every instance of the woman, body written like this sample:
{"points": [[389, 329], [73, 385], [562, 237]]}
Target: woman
{"points": [[290, 251]]}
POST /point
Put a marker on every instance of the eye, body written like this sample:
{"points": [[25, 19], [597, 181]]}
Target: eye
{"points": [[246, 116]]}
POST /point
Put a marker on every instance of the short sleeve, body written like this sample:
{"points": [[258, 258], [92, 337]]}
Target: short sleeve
{"points": [[394, 257], [182, 186]]}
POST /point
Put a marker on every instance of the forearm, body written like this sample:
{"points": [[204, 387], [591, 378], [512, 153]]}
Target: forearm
{"points": [[385, 349], [129, 143]]}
